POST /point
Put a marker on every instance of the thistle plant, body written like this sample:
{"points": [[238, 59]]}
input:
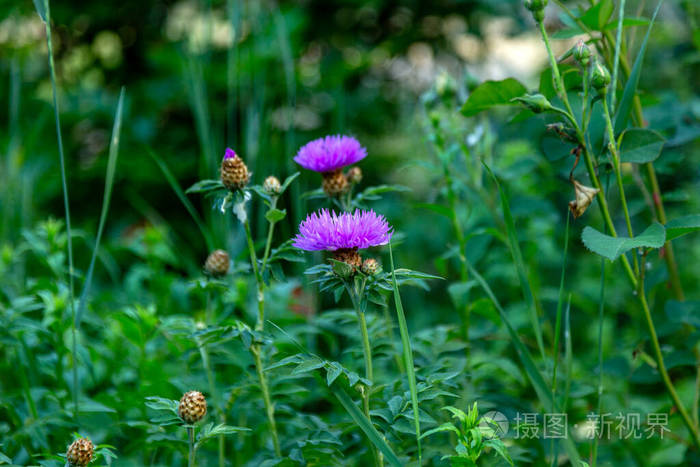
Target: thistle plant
{"points": [[344, 235], [189, 412], [328, 156], [234, 194]]}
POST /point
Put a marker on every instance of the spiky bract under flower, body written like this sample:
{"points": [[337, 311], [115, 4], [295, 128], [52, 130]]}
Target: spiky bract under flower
{"points": [[330, 153], [326, 230]]}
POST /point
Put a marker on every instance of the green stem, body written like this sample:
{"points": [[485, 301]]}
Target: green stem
{"points": [[255, 348], [560, 301], [367, 353], [66, 207], [601, 309], [694, 430], [260, 322], [190, 437], [612, 147], [215, 396], [269, 408], [561, 91], [270, 232], [558, 83]]}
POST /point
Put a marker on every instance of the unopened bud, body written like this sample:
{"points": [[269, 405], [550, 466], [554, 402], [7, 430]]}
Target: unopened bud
{"points": [[582, 53], [217, 263], [192, 407], [535, 102], [584, 198], [600, 77], [272, 186], [370, 267], [445, 86], [234, 173], [354, 175], [537, 8], [80, 452]]}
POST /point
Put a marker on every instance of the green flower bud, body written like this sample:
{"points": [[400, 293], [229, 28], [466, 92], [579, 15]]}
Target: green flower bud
{"points": [[582, 53], [600, 77], [535, 102], [537, 8]]}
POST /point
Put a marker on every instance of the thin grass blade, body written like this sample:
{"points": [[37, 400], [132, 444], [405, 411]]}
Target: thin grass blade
{"points": [[628, 94], [519, 263], [365, 425], [535, 377], [407, 354], [181, 196], [109, 183]]}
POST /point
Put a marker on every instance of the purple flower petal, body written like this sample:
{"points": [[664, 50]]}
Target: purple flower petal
{"points": [[230, 154], [330, 153], [326, 230]]}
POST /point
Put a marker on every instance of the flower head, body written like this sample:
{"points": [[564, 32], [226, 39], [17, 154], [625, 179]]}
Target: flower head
{"points": [[234, 173], [330, 153], [326, 230]]}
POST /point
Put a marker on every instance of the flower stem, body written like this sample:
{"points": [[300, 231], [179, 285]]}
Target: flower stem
{"points": [[270, 232], [367, 353], [190, 436], [269, 408], [612, 147], [255, 348]]}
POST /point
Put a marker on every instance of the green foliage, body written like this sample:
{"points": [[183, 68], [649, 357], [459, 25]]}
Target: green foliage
{"points": [[492, 93], [640, 146], [611, 248]]}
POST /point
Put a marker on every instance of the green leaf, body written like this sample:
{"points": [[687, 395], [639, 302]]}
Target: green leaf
{"points": [[41, 7], [275, 215], [206, 186], [612, 247], [492, 93], [365, 425], [628, 94], [109, 182], [308, 365], [407, 353], [288, 181], [597, 16], [681, 226], [640, 145], [441, 429], [332, 372]]}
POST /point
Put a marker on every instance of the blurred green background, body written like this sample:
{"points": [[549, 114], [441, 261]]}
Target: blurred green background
{"points": [[264, 78]]}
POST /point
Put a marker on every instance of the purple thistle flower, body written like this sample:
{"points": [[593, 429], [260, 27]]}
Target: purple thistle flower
{"points": [[230, 154], [326, 230], [330, 153]]}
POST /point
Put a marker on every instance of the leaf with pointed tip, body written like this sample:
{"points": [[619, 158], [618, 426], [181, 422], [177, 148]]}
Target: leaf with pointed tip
{"points": [[682, 225], [640, 145], [492, 93], [612, 247]]}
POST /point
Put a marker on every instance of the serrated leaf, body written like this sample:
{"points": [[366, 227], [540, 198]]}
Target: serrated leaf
{"points": [[492, 93], [640, 145], [332, 372], [275, 215], [682, 225], [612, 247]]}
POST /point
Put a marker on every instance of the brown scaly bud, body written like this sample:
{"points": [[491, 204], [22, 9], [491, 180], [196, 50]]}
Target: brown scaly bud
{"points": [[335, 183], [217, 263], [272, 186], [370, 267], [80, 452], [193, 407], [354, 175], [584, 198], [349, 256], [234, 173]]}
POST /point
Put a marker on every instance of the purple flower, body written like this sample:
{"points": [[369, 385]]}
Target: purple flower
{"points": [[326, 230], [230, 154], [330, 153]]}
